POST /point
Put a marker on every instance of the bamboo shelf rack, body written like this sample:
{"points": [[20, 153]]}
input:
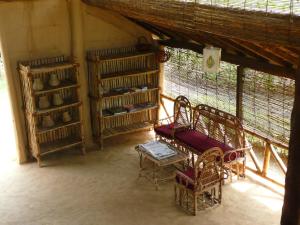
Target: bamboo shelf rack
{"points": [[63, 133], [136, 75]]}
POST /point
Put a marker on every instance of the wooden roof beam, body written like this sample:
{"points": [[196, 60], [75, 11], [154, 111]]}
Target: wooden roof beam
{"points": [[261, 52]]}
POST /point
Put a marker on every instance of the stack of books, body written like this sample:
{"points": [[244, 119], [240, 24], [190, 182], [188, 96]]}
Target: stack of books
{"points": [[158, 150]]}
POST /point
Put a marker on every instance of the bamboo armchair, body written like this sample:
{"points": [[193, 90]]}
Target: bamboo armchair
{"points": [[200, 187], [215, 128], [166, 128]]}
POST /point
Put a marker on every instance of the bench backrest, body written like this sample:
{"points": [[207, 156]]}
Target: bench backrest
{"points": [[219, 125], [182, 111]]}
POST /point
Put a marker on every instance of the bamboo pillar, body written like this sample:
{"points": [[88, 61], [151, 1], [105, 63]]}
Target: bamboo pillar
{"points": [[161, 80], [239, 92], [267, 158], [291, 207], [78, 53], [14, 103]]}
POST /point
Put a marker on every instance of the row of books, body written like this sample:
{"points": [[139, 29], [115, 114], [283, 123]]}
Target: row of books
{"points": [[123, 91], [127, 109]]}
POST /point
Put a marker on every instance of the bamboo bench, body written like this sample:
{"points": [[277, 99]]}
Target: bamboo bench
{"points": [[214, 128]]}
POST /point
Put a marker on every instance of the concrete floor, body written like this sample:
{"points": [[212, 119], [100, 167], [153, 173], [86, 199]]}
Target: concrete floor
{"points": [[102, 188]]}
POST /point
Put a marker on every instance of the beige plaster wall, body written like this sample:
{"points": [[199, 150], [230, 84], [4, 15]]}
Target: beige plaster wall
{"points": [[41, 28], [28, 30], [105, 29]]}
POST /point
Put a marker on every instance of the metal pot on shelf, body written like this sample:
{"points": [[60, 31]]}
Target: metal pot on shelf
{"points": [[44, 102], [54, 81], [57, 99], [37, 84]]}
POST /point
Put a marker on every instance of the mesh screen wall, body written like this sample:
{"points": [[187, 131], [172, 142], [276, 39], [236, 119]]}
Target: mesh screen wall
{"points": [[267, 99]]}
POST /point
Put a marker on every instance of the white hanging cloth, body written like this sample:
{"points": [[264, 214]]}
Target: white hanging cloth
{"points": [[211, 59]]}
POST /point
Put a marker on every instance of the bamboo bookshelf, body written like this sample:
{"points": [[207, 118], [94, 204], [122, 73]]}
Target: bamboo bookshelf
{"points": [[122, 68], [62, 134]]}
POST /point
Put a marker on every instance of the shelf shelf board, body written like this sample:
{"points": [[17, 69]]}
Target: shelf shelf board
{"points": [[107, 133], [48, 68], [122, 56], [58, 126], [128, 113], [66, 105], [63, 85], [58, 145], [112, 76], [129, 94]]}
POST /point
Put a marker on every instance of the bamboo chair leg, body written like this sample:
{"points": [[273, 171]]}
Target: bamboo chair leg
{"points": [[83, 151], [238, 170], [230, 172], [195, 204], [175, 192], [39, 161]]}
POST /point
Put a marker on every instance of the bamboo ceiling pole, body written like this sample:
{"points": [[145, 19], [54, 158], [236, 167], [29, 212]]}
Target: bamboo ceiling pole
{"points": [[78, 52], [16, 108]]}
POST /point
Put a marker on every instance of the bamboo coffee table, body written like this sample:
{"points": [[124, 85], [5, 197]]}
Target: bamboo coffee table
{"points": [[156, 170]]}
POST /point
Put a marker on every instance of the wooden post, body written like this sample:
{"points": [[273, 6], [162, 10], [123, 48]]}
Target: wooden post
{"points": [[239, 92], [15, 102], [291, 206], [161, 80], [78, 53], [266, 159]]}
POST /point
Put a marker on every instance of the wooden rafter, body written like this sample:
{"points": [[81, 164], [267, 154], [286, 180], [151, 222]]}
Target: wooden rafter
{"points": [[262, 52]]}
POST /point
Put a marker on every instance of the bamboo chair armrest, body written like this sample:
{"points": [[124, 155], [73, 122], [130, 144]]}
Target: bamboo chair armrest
{"points": [[185, 177], [169, 120]]}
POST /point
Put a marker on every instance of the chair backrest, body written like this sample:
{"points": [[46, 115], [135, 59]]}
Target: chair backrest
{"points": [[208, 168], [219, 125], [182, 111]]}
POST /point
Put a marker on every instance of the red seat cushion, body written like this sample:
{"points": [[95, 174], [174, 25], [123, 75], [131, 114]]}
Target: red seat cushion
{"points": [[189, 173], [165, 130], [202, 142]]}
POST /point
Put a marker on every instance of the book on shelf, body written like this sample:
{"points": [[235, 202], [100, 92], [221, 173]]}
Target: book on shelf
{"points": [[106, 112], [117, 111]]}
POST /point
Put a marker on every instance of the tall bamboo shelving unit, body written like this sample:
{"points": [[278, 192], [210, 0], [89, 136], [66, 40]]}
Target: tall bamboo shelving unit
{"points": [[63, 135], [122, 68]]}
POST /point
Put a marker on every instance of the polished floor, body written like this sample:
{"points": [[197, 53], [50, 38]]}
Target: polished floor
{"points": [[102, 188]]}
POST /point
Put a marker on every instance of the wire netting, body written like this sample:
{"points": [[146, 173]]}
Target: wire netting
{"points": [[267, 104], [184, 76], [267, 99]]}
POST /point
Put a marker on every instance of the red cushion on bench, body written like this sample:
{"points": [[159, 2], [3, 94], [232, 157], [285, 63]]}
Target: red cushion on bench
{"points": [[194, 139], [202, 142], [165, 130]]}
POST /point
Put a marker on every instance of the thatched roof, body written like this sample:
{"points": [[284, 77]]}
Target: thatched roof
{"points": [[267, 42]]}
